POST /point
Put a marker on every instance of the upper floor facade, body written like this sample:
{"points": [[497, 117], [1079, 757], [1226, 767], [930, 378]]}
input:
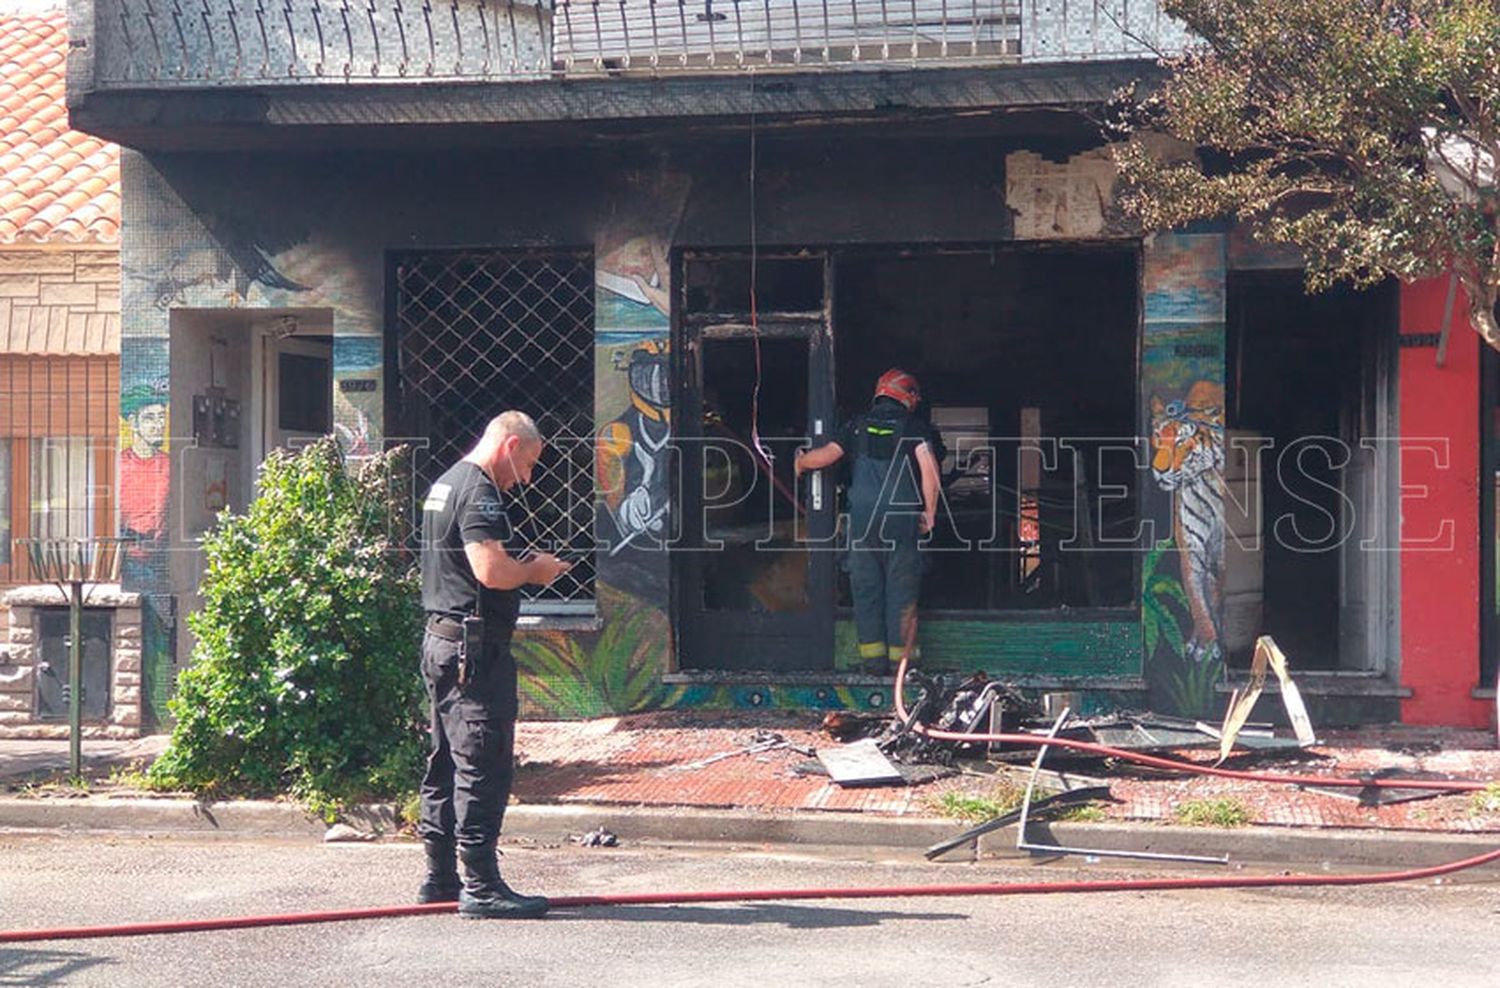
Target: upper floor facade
{"points": [[142, 69]]}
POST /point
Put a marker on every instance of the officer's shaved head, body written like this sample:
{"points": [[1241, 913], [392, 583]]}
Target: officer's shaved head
{"points": [[509, 449], [512, 423]]}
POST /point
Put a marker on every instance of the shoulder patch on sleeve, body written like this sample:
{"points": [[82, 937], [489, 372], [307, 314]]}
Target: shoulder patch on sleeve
{"points": [[488, 507]]}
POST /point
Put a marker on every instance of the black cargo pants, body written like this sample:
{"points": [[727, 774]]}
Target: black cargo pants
{"points": [[469, 773]]}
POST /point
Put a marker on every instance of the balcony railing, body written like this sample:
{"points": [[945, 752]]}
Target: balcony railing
{"points": [[155, 44]]}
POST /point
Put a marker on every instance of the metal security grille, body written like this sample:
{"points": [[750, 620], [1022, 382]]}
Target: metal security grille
{"points": [[171, 44], [483, 331], [59, 450]]}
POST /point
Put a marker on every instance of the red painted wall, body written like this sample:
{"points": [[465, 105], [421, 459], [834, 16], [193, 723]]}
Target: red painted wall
{"points": [[1440, 559]]}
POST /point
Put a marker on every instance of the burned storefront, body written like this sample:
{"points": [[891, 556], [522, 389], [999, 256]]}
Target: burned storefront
{"points": [[686, 270]]}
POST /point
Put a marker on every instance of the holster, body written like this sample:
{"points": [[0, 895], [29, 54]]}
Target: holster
{"points": [[470, 647]]}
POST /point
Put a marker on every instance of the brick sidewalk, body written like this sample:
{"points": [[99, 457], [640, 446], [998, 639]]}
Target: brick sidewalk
{"points": [[656, 760], [662, 760]]}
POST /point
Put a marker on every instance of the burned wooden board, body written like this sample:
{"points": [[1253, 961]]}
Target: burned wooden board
{"points": [[859, 764]]}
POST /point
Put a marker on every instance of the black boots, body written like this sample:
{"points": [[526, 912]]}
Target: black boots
{"points": [[442, 884], [485, 894]]}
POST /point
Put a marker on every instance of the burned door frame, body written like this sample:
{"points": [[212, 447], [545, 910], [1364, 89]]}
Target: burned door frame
{"points": [[730, 640], [1368, 556]]}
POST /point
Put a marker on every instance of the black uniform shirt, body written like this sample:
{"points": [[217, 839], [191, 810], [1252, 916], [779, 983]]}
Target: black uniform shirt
{"points": [[897, 429], [884, 489], [465, 506]]}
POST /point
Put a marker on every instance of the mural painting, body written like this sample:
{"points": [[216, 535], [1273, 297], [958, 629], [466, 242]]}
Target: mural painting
{"points": [[1187, 459], [358, 393], [145, 463], [633, 399], [144, 479], [614, 671], [1183, 573], [618, 669]]}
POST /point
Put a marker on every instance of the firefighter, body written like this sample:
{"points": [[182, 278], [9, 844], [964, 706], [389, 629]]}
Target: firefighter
{"points": [[893, 494]]}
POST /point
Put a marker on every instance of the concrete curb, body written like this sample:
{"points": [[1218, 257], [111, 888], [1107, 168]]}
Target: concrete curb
{"points": [[1304, 847]]}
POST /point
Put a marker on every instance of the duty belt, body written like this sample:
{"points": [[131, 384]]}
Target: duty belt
{"points": [[447, 627]]}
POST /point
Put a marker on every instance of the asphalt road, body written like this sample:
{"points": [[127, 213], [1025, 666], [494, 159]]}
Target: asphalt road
{"points": [[1430, 934]]}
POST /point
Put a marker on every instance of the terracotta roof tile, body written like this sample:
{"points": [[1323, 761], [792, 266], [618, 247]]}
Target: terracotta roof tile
{"points": [[56, 184]]}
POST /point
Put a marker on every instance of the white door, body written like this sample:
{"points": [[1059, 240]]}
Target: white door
{"points": [[298, 404]]}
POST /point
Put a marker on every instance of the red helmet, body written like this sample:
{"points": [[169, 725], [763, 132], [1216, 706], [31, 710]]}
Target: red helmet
{"points": [[896, 383]]}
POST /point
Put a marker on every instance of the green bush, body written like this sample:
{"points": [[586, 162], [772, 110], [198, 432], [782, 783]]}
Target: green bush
{"points": [[304, 679]]}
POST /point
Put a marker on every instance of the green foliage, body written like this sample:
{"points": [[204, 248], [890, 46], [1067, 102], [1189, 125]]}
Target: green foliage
{"points": [[304, 678], [973, 808], [132, 776], [1221, 812], [614, 675], [1164, 613], [410, 812], [1321, 124], [1083, 813], [1006, 797], [1485, 802], [1165, 604], [998, 799], [1192, 687]]}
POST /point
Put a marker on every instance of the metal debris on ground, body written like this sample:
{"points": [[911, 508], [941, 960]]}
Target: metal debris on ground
{"points": [[960, 704], [342, 833], [974, 704], [761, 741], [851, 725], [861, 763], [597, 838], [1373, 795], [1041, 809], [1024, 844], [1267, 653]]}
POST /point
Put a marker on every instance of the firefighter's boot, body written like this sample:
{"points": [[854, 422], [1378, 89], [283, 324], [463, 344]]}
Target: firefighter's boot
{"points": [[485, 894], [442, 883]]}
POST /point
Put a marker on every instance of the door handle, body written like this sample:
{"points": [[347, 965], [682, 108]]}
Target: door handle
{"points": [[817, 475]]}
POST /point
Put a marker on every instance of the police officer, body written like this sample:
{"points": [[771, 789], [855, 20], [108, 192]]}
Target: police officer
{"points": [[472, 572], [887, 513]]}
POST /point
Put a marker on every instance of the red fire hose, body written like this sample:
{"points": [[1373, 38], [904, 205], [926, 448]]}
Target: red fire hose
{"points": [[1171, 764], [760, 895], [886, 892]]}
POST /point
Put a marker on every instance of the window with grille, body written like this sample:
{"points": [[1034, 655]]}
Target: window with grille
{"points": [[63, 494], [5, 499], [479, 332]]}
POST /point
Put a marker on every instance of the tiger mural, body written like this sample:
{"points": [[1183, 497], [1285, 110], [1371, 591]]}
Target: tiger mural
{"points": [[1187, 458]]}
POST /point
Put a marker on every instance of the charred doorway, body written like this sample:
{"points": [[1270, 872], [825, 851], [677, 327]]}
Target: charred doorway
{"points": [[752, 587], [1305, 383], [1027, 359]]}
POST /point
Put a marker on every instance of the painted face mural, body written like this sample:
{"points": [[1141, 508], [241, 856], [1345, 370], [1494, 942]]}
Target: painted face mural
{"points": [[144, 471]]}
